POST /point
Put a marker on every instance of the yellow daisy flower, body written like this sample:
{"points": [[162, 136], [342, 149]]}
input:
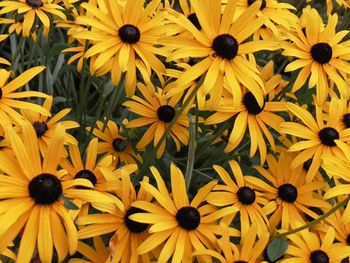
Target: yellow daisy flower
{"points": [[32, 192], [239, 195], [222, 49], [9, 96], [128, 234], [178, 226], [250, 250], [320, 54], [45, 126], [318, 138], [157, 112], [30, 10], [249, 114], [124, 39], [289, 194], [113, 143]]}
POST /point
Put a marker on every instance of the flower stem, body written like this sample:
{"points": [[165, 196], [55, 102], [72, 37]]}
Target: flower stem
{"points": [[191, 151]]}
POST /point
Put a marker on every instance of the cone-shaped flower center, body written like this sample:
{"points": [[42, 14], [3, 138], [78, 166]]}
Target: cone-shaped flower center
{"points": [[129, 34], [250, 102], [328, 135], [246, 195], [318, 256], [166, 113], [321, 52], [316, 210], [45, 189], [346, 120], [118, 145], [134, 227], [40, 128], [225, 46], [188, 217], [194, 20], [263, 3], [86, 174], [288, 193], [35, 3]]}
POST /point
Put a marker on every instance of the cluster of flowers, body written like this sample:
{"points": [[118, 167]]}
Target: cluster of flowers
{"points": [[174, 57]]}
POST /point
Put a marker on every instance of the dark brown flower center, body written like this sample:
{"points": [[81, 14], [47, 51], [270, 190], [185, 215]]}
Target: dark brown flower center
{"points": [[252, 105], [45, 189], [263, 3], [246, 195], [288, 192], [134, 227], [321, 52], [86, 174], [188, 217], [166, 113], [318, 256], [194, 20], [225, 46], [119, 145], [35, 3], [40, 128], [328, 135], [129, 34]]}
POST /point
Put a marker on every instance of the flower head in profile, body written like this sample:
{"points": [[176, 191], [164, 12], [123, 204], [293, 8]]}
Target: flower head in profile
{"points": [[157, 112], [177, 225], [123, 39], [32, 11]]}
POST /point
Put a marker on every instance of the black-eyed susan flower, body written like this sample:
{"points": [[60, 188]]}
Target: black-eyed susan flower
{"points": [[32, 197], [236, 193], [157, 112], [289, 194], [320, 54], [250, 249], [97, 254], [9, 96], [32, 10], [124, 39], [249, 114], [128, 234], [45, 126], [307, 247], [221, 48], [177, 225], [112, 142], [318, 137]]}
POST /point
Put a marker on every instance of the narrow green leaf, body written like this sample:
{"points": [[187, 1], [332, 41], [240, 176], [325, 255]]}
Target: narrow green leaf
{"points": [[276, 248], [69, 204]]}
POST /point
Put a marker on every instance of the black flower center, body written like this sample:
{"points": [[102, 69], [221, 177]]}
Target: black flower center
{"points": [[318, 256], [134, 227], [45, 189], [246, 195], [252, 105], [288, 193], [166, 113], [194, 20], [346, 120], [321, 52], [119, 145], [86, 174], [40, 128], [263, 3], [328, 135], [225, 46], [35, 3], [188, 217], [129, 34], [316, 210]]}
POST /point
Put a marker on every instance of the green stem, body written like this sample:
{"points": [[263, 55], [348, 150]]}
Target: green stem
{"points": [[191, 151], [314, 222]]}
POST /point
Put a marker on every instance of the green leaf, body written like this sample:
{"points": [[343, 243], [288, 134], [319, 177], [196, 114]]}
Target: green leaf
{"points": [[69, 204], [276, 248]]}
